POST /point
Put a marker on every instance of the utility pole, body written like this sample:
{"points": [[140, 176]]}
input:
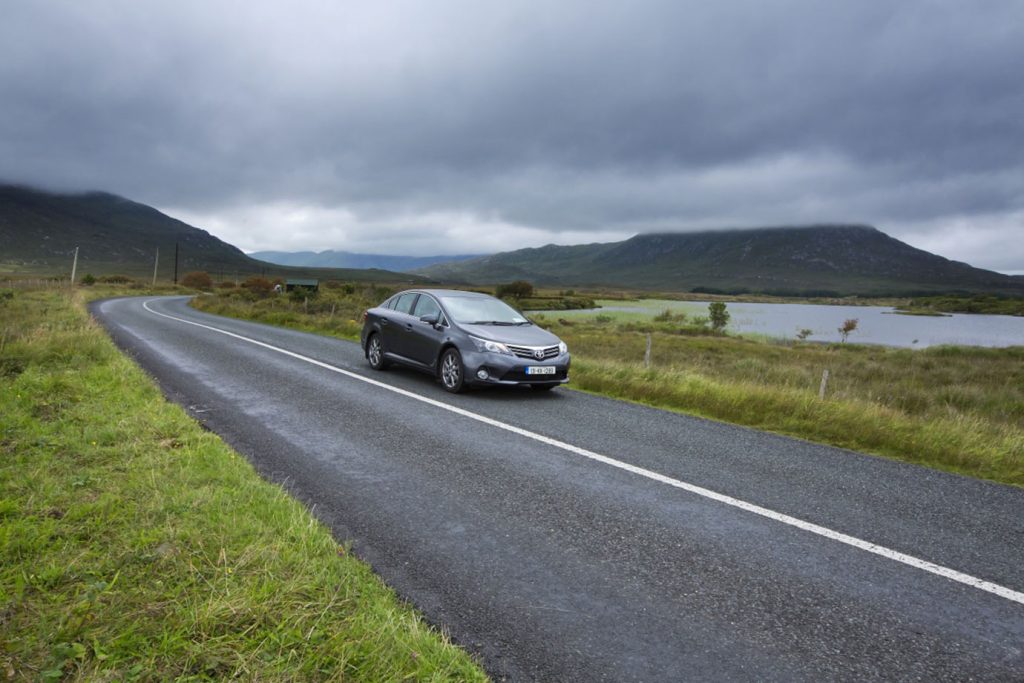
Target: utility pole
{"points": [[156, 262], [175, 263], [74, 267]]}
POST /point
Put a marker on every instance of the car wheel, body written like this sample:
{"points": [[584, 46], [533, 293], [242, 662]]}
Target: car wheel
{"points": [[452, 373], [543, 387], [375, 353]]}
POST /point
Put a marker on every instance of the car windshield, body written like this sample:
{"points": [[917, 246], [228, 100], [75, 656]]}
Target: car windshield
{"points": [[482, 311]]}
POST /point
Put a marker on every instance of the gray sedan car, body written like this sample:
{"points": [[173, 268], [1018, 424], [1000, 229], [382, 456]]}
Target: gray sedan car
{"points": [[464, 338]]}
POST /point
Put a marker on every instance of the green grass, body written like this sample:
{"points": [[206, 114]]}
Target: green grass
{"points": [[992, 305], [134, 545], [959, 409]]}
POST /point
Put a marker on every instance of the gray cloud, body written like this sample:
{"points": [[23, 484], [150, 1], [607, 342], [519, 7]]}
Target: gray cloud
{"points": [[404, 127]]}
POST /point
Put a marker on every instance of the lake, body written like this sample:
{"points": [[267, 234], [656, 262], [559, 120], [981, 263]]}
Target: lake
{"points": [[877, 324]]}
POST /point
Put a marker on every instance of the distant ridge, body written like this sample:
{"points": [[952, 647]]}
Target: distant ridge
{"points": [[345, 259], [39, 231], [824, 260]]}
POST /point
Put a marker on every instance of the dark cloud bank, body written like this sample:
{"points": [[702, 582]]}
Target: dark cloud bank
{"points": [[466, 126]]}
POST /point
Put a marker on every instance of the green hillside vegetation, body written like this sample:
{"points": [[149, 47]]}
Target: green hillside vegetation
{"points": [[990, 305], [40, 230], [955, 408], [825, 260], [134, 545]]}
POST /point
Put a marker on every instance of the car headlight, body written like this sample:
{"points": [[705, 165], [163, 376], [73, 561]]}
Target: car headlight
{"points": [[563, 347], [492, 346]]}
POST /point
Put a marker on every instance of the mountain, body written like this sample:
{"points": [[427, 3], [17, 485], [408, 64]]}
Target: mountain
{"points": [[810, 260], [39, 231], [346, 259]]}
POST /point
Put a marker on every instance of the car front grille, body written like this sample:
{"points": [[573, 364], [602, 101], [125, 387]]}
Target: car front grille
{"points": [[529, 351]]}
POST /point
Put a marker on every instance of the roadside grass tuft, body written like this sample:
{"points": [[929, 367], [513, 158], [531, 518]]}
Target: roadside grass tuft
{"points": [[136, 546]]}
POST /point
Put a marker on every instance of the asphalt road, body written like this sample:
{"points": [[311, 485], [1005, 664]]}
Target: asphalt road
{"points": [[502, 527]]}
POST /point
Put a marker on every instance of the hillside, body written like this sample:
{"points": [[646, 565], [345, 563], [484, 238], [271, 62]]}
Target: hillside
{"points": [[822, 259], [345, 259], [40, 230]]}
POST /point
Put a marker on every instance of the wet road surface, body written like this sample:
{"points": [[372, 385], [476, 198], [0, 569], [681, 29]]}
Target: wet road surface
{"points": [[489, 512]]}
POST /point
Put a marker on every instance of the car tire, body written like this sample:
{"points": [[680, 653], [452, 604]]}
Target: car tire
{"points": [[375, 352], [452, 372], [543, 387]]}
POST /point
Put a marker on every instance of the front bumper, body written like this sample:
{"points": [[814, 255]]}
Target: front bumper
{"points": [[511, 370]]}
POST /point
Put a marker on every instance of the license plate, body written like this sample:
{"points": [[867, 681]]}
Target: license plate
{"points": [[542, 370]]}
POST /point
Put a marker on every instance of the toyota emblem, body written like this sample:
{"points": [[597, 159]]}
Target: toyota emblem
{"points": [[538, 354]]}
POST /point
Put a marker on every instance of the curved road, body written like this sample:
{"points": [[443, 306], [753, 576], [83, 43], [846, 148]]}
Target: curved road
{"points": [[565, 536]]}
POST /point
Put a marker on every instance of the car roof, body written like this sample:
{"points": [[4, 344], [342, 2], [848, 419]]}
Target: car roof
{"points": [[451, 292]]}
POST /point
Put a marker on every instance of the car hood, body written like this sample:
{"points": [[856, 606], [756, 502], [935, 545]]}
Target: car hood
{"points": [[520, 335]]}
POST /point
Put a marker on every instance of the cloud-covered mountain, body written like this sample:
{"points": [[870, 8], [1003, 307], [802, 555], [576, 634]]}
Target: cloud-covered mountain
{"points": [[811, 260], [40, 230]]}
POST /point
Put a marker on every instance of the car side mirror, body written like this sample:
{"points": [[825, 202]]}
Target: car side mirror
{"points": [[430, 318]]}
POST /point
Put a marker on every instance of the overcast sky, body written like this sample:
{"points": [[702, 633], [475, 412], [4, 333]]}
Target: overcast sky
{"points": [[441, 127]]}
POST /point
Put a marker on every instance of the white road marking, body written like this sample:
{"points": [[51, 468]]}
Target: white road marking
{"points": [[888, 553]]}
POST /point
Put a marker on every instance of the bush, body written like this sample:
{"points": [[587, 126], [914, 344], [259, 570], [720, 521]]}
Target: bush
{"points": [[114, 279], [718, 315], [300, 294], [226, 284], [197, 279], [258, 286], [88, 280], [520, 289], [849, 326]]}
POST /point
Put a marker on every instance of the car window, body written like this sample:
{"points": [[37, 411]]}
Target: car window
{"points": [[405, 302], [426, 306], [390, 303], [482, 310]]}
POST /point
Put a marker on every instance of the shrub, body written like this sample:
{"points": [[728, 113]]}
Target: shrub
{"points": [[718, 315], [197, 279], [114, 279], [520, 289], [848, 326], [258, 286], [300, 294], [88, 280]]}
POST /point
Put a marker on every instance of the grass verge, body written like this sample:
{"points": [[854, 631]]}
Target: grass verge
{"points": [[959, 409], [136, 546]]}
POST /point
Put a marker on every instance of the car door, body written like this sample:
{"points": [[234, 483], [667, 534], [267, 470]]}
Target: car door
{"points": [[423, 339], [397, 325]]}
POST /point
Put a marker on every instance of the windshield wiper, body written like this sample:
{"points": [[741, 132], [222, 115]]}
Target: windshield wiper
{"points": [[492, 322]]}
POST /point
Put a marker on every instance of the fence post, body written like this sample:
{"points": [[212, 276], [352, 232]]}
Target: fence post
{"points": [[74, 267], [824, 384], [647, 352]]}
